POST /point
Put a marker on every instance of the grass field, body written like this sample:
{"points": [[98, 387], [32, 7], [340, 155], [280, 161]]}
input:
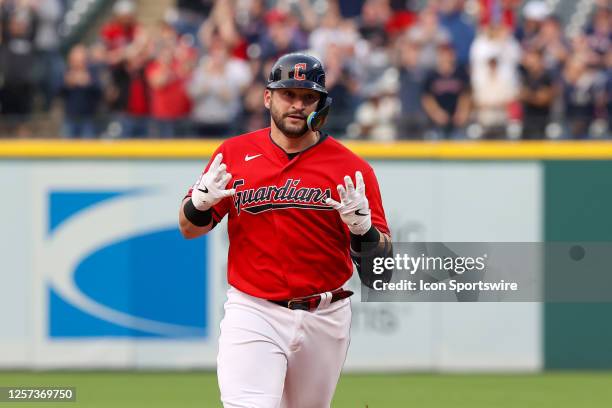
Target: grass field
{"points": [[199, 389]]}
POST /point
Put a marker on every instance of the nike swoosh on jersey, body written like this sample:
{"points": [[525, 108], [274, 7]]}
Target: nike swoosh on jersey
{"points": [[360, 214], [247, 157]]}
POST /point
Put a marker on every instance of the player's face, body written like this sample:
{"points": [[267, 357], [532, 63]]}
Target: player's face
{"points": [[290, 108]]}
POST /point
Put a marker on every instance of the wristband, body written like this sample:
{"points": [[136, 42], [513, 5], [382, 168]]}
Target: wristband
{"points": [[372, 235], [195, 216]]}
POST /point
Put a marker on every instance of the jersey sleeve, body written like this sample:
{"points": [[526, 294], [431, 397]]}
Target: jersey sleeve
{"points": [[379, 219], [220, 209]]}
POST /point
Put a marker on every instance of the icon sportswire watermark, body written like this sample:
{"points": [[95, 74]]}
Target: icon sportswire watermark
{"points": [[491, 272]]}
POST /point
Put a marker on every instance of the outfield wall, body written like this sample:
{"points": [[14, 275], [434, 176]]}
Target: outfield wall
{"points": [[94, 272]]}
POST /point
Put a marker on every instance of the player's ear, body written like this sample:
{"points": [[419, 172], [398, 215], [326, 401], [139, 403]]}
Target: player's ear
{"points": [[267, 98]]}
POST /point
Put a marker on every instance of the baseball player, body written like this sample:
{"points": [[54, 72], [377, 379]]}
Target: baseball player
{"points": [[299, 205]]}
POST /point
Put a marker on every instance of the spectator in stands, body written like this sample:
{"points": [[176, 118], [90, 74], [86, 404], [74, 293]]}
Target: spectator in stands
{"points": [[131, 92], [582, 50], [50, 64], [535, 13], [333, 31], [372, 21], [216, 89], [254, 113], [372, 56], [81, 92], [97, 59], [357, 40], [583, 94], [599, 34], [401, 19], [495, 39], [251, 25], [428, 34], [553, 45], [412, 123], [350, 8], [167, 76], [498, 12], [127, 54], [191, 14], [446, 95], [608, 96], [220, 26], [120, 32], [495, 94], [377, 116], [282, 35], [305, 17], [494, 60], [460, 27], [17, 55], [537, 93], [342, 87]]}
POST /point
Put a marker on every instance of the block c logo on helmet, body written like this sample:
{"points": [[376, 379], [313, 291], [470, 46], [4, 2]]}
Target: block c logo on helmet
{"points": [[297, 74]]}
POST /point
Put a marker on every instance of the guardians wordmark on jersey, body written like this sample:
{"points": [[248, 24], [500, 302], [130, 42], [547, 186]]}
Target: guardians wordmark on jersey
{"points": [[285, 242]]}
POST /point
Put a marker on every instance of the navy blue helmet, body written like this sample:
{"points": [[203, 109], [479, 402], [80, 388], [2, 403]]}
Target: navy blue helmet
{"points": [[298, 70]]}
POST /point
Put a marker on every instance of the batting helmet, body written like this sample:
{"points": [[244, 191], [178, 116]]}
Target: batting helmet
{"points": [[298, 70]]}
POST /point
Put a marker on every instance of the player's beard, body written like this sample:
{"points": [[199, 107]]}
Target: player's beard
{"points": [[281, 121]]}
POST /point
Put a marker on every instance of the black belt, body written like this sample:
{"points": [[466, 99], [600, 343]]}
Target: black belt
{"points": [[310, 303]]}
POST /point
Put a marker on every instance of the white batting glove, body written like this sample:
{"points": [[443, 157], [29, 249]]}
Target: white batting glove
{"points": [[353, 206], [210, 189]]}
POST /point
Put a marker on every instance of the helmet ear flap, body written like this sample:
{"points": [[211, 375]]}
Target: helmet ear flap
{"points": [[316, 120]]}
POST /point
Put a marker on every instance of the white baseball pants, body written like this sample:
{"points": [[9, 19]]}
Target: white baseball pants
{"points": [[271, 356]]}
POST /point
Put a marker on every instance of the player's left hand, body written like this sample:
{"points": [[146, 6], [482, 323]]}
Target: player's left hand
{"points": [[353, 207]]}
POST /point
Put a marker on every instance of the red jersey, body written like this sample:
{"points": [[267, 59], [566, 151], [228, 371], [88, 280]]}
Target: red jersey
{"points": [[138, 95], [169, 101], [117, 35], [285, 242]]}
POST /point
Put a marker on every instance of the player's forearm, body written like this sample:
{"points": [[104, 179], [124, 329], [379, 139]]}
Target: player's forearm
{"points": [[365, 248], [188, 229], [372, 236], [367, 242]]}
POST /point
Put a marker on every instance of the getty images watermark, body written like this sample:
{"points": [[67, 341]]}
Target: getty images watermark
{"points": [[458, 265], [490, 272]]}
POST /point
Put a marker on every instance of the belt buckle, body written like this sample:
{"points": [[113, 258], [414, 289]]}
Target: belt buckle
{"points": [[297, 304]]}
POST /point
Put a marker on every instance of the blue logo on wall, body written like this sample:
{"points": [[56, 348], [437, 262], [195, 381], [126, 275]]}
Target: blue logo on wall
{"points": [[130, 276]]}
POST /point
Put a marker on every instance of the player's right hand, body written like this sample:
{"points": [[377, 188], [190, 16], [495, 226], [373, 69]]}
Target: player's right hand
{"points": [[210, 188], [353, 207]]}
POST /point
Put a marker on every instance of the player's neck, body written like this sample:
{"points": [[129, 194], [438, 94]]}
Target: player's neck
{"points": [[293, 144]]}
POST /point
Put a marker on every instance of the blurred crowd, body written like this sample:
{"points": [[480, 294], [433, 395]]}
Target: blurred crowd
{"points": [[451, 69]]}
